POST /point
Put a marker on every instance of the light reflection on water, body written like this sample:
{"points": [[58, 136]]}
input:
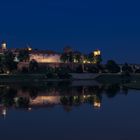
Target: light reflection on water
{"points": [[58, 111]]}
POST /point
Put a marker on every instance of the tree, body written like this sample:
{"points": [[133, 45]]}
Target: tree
{"points": [[62, 73], [23, 55], [70, 57], [22, 102], [67, 55], [33, 66], [7, 62], [93, 69], [8, 96], [127, 68], [137, 70], [97, 59], [50, 73], [90, 57], [77, 57], [63, 58], [112, 90], [94, 59], [112, 67], [126, 77]]}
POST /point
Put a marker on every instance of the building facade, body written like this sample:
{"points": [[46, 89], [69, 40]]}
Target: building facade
{"points": [[45, 56]]}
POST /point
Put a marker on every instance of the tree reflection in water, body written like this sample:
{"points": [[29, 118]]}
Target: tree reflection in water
{"points": [[112, 90], [51, 94]]}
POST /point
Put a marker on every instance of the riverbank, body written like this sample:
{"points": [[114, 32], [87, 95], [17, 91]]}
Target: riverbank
{"points": [[28, 78], [42, 80], [101, 78], [43, 77]]}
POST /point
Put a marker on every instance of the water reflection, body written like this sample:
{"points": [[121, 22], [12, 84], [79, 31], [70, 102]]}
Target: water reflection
{"points": [[52, 94]]}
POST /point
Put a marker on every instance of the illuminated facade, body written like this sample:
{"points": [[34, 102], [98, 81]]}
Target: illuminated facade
{"points": [[44, 100], [45, 56]]}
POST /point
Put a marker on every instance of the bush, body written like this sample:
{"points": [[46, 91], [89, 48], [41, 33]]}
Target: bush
{"points": [[137, 71], [93, 69], [127, 68], [33, 66], [22, 102], [50, 73], [62, 73], [112, 67]]}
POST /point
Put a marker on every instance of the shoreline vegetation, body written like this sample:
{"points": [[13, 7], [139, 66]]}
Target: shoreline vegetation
{"points": [[132, 81]]}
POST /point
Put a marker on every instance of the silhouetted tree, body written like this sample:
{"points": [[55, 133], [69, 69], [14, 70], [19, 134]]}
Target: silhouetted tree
{"points": [[23, 55], [112, 67], [127, 68], [112, 90], [33, 66], [7, 62]]}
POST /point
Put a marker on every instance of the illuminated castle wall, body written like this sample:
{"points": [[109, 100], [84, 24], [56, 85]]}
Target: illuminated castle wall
{"points": [[45, 58]]}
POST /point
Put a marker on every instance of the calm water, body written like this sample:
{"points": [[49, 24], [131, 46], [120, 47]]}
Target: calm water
{"points": [[62, 111]]}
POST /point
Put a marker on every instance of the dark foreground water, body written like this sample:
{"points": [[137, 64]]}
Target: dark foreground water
{"points": [[65, 112]]}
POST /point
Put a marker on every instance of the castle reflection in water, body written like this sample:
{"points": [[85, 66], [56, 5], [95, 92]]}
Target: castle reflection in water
{"points": [[52, 94]]}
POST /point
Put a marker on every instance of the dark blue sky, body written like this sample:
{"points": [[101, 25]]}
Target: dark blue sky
{"points": [[113, 27]]}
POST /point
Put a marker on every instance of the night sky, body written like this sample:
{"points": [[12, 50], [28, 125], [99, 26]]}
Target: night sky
{"points": [[113, 27]]}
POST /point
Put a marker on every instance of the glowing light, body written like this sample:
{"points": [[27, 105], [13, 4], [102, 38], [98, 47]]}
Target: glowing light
{"points": [[3, 46], [29, 108], [8, 72], [97, 53], [29, 49], [97, 104], [84, 96], [84, 61], [4, 112], [75, 61]]}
